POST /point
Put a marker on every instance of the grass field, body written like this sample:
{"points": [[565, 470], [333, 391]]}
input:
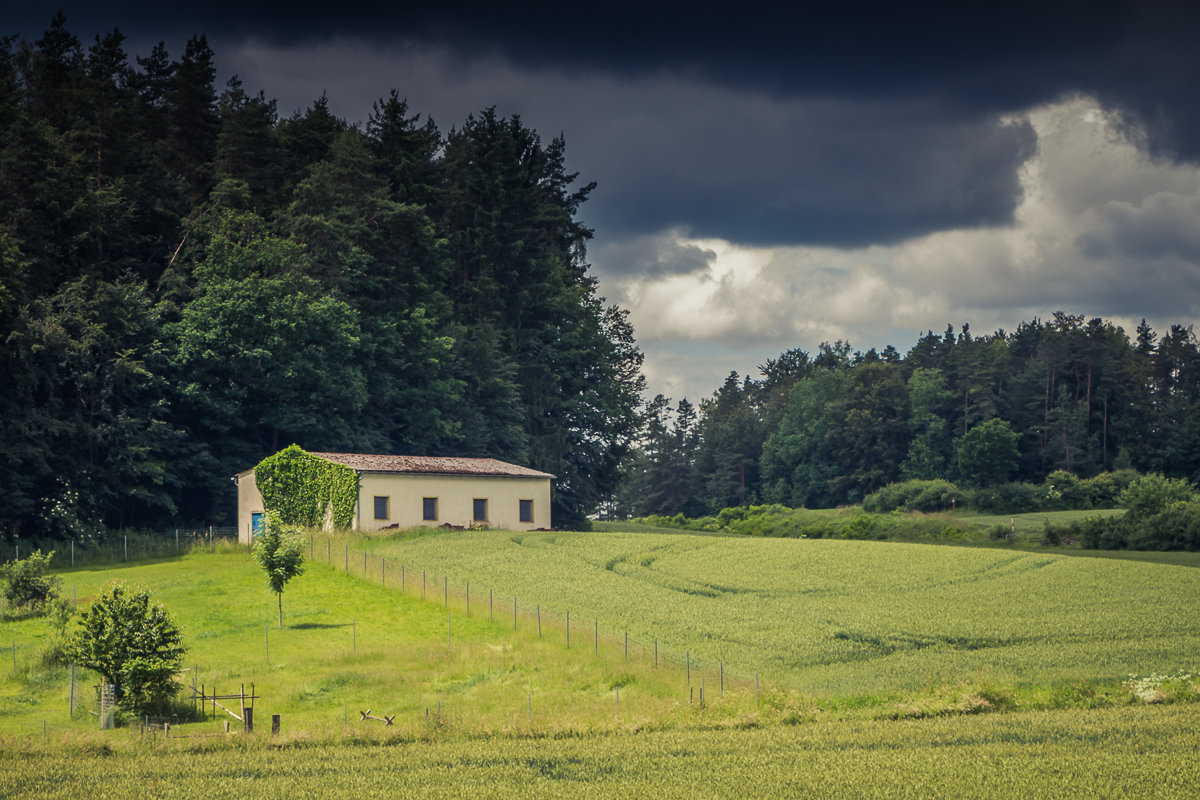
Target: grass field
{"points": [[1035, 521], [345, 647], [884, 660]]}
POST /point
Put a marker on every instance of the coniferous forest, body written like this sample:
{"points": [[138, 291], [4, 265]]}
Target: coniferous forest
{"points": [[829, 428], [190, 281]]}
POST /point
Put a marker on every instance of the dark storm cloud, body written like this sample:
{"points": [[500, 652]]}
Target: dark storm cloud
{"points": [[846, 125], [652, 256], [829, 173], [1164, 226]]}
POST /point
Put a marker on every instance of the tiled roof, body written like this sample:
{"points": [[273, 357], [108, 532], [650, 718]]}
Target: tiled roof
{"points": [[432, 465]]}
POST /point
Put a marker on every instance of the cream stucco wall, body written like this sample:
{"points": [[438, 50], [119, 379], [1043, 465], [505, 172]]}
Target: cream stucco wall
{"points": [[249, 503], [455, 495]]}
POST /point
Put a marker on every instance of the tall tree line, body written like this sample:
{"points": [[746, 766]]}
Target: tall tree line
{"points": [[1072, 394], [189, 282]]}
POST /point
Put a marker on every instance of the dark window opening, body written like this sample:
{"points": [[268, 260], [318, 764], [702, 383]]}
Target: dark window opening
{"points": [[526, 510], [381, 508], [429, 509], [480, 509]]}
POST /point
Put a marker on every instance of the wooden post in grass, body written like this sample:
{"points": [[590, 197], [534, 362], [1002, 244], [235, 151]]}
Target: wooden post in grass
{"points": [[274, 724], [247, 711]]}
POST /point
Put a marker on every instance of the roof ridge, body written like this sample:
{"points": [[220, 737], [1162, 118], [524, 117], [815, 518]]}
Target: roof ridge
{"points": [[445, 465]]}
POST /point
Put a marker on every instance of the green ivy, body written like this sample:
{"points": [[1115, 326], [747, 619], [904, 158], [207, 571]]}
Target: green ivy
{"points": [[303, 489]]}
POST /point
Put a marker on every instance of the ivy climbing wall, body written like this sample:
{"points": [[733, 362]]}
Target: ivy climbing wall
{"points": [[301, 489]]}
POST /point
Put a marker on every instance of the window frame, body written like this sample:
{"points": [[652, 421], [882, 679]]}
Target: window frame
{"points": [[522, 504], [475, 509], [425, 501], [387, 507]]}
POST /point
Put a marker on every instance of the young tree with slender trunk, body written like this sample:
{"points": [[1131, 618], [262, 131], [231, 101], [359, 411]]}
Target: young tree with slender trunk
{"points": [[281, 555]]}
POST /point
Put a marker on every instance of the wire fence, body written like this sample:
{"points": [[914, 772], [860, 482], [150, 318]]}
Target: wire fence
{"points": [[121, 547], [704, 676]]}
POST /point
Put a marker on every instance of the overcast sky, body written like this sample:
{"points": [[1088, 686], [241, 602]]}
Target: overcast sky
{"points": [[862, 171]]}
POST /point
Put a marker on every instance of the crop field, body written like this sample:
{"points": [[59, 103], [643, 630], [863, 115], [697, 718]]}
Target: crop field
{"points": [[835, 617], [1132, 752]]}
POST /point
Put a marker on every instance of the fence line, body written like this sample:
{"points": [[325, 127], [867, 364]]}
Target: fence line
{"points": [[602, 640], [120, 547]]}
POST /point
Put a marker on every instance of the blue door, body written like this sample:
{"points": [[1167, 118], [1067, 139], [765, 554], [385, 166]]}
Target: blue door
{"points": [[258, 523]]}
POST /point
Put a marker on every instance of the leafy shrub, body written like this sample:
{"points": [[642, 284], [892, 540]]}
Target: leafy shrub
{"points": [[1152, 493], [59, 613], [26, 585], [1007, 498], [1104, 489], [133, 643], [914, 495], [1177, 527], [860, 526], [1063, 491]]}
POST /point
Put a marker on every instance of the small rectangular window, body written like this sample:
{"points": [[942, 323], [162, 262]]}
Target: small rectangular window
{"points": [[381, 508], [480, 508], [429, 509], [526, 510]]}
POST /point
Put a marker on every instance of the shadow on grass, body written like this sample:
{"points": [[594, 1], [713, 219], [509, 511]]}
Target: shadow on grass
{"points": [[306, 626]]}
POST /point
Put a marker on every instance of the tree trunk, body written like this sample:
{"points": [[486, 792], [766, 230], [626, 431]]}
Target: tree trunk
{"points": [[280, 596]]}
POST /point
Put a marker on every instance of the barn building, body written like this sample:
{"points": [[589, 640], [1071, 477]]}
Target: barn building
{"points": [[411, 491]]}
